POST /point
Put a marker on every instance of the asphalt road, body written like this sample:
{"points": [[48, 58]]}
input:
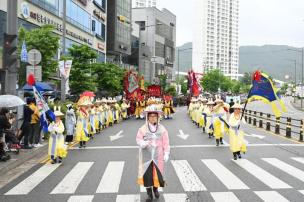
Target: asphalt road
{"points": [[271, 170]]}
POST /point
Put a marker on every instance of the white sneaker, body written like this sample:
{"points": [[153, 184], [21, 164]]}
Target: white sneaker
{"points": [[35, 145], [39, 145]]}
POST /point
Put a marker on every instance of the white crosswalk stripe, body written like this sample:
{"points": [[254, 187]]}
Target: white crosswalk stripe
{"points": [[82, 198], [143, 189], [298, 159], [271, 196], [301, 191], [264, 176], [128, 198], [224, 175], [111, 178], [71, 181], [224, 196], [291, 170], [189, 180], [27, 185], [175, 197]]}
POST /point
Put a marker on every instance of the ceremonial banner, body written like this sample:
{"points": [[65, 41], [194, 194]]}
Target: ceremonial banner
{"points": [[131, 85]]}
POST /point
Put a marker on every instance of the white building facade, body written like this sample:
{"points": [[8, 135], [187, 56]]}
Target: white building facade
{"points": [[143, 3], [216, 44]]}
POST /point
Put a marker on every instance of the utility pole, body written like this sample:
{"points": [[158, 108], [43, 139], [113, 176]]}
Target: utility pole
{"points": [[63, 79], [302, 78], [10, 64]]}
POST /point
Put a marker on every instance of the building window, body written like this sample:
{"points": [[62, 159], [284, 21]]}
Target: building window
{"points": [[159, 49], [78, 16], [48, 5], [98, 29], [101, 4]]}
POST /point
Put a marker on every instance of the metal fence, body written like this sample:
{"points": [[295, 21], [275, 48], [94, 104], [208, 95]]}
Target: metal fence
{"points": [[288, 126]]}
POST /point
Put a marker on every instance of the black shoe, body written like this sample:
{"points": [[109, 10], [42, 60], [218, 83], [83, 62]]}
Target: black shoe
{"points": [[156, 193], [210, 136], [217, 142], [221, 140], [234, 157], [27, 147], [204, 129], [240, 156], [53, 161], [150, 195]]}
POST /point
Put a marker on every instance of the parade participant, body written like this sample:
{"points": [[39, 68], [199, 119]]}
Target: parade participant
{"points": [[168, 107], [154, 150], [194, 109], [208, 113], [116, 111], [82, 134], [70, 123], [137, 108], [104, 112], [91, 126], [142, 107], [109, 111], [220, 121], [236, 136], [57, 149], [199, 112], [124, 109], [98, 120], [190, 108], [202, 117]]}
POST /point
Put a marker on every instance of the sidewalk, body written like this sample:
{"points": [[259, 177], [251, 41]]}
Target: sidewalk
{"points": [[297, 104], [23, 156]]}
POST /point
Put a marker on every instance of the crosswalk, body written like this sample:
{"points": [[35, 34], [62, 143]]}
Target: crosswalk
{"points": [[230, 175]]}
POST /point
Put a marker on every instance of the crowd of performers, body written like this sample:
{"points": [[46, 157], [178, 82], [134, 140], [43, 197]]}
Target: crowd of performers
{"points": [[218, 118], [86, 118]]}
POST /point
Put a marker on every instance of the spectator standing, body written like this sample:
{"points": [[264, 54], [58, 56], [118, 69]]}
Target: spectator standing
{"points": [[26, 126], [34, 137]]}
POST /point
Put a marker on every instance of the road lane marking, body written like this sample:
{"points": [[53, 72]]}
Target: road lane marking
{"points": [[224, 196], [301, 191], [298, 159], [70, 182], [224, 175], [82, 198], [128, 198], [182, 135], [143, 189], [117, 136], [187, 146], [271, 196], [189, 180], [264, 176], [175, 197], [291, 170], [111, 178], [27, 185]]}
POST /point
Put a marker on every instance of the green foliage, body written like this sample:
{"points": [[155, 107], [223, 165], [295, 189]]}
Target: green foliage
{"points": [[247, 78], [109, 78], [184, 89], [214, 80], [163, 81], [44, 40], [171, 90], [82, 76]]}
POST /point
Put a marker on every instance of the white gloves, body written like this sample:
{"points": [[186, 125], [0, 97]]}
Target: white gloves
{"points": [[143, 144], [166, 157]]}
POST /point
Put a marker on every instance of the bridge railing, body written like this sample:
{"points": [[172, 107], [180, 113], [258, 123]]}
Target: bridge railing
{"points": [[287, 126]]}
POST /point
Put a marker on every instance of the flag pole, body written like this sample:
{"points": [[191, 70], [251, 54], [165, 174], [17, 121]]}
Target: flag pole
{"points": [[244, 108]]}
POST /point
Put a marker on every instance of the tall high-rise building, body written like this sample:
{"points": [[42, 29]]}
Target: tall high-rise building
{"points": [[143, 3], [216, 36]]}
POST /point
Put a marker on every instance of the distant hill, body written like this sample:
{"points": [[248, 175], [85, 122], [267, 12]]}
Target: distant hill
{"points": [[185, 61], [272, 59]]}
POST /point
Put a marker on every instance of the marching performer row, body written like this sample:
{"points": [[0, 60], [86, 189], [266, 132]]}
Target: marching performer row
{"points": [[216, 121]]}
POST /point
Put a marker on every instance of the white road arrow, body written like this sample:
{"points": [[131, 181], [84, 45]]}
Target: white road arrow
{"points": [[117, 136], [182, 135], [254, 135]]}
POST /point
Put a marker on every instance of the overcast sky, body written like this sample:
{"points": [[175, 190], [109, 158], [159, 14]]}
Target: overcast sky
{"points": [[279, 22]]}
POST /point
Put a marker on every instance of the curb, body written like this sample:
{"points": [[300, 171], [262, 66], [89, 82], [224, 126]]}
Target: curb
{"points": [[295, 106], [22, 158]]}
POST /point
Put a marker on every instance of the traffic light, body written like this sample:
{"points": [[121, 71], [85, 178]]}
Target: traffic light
{"points": [[9, 50]]}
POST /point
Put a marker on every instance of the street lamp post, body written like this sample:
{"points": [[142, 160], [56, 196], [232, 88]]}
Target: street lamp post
{"points": [[302, 79]]}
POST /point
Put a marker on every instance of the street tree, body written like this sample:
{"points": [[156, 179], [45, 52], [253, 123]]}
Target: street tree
{"points": [[82, 77], [44, 40], [171, 90], [109, 78], [214, 80]]}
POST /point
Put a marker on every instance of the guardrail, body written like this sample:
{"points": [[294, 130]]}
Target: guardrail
{"points": [[287, 126]]}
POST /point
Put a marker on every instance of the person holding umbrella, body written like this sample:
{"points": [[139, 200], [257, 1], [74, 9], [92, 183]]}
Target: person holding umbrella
{"points": [[153, 141]]}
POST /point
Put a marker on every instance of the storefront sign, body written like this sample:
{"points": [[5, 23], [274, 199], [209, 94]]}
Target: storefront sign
{"points": [[46, 20], [99, 15], [101, 46]]}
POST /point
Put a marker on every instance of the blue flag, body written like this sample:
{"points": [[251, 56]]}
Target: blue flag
{"points": [[263, 89], [24, 57]]}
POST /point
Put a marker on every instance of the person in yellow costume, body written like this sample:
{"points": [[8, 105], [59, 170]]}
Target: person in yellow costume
{"points": [[191, 105], [201, 118], [194, 110], [236, 136], [82, 134], [220, 121], [117, 111], [198, 111], [57, 149], [208, 113], [137, 108], [142, 107], [91, 125], [98, 121], [124, 109], [104, 112], [168, 107], [110, 103]]}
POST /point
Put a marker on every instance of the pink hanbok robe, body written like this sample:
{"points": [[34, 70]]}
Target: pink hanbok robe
{"points": [[153, 147]]}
